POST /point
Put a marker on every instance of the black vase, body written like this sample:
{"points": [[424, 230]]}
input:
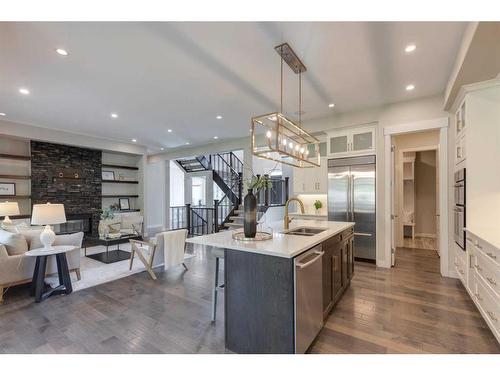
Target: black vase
{"points": [[250, 218]]}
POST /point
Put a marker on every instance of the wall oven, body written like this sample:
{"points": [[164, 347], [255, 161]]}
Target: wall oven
{"points": [[459, 208]]}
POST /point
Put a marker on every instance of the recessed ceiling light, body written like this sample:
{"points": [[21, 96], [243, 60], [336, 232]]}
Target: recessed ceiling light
{"points": [[2, 114], [134, 140], [114, 115], [219, 117], [187, 143], [410, 48], [24, 91], [169, 130], [161, 148], [331, 105], [410, 87], [215, 137], [62, 52]]}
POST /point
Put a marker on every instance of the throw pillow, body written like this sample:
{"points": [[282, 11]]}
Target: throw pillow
{"points": [[74, 239], [15, 243], [32, 238]]}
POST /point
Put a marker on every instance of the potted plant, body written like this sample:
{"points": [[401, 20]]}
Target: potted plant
{"points": [[250, 204], [317, 205]]}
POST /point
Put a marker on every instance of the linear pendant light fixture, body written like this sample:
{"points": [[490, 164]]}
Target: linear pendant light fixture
{"points": [[277, 137]]}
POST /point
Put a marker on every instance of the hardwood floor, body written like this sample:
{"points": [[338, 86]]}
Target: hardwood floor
{"points": [[420, 243], [408, 309]]}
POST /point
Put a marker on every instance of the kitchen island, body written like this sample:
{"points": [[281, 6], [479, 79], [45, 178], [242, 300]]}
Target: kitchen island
{"points": [[278, 292]]}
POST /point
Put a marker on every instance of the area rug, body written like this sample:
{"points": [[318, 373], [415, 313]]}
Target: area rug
{"points": [[95, 273]]}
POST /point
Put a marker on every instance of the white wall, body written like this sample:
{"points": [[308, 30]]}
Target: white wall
{"points": [[425, 194], [155, 195]]}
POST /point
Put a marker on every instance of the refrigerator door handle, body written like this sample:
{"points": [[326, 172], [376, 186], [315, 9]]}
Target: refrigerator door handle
{"points": [[351, 194]]}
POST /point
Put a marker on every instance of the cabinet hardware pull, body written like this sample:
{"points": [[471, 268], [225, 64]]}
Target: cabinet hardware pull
{"points": [[478, 268], [491, 255], [468, 239], [461, 272], [491, 281], [478, 296], [492, 316], [478, 246]]}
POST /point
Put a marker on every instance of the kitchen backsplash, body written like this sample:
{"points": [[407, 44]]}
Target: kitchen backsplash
{"points": [[309, 199]]}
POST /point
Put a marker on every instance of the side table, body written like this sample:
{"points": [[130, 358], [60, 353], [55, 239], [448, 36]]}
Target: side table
{"points": [[38, 284]]}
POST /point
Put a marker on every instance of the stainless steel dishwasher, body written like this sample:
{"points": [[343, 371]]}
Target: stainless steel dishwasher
{"points": [[308, 297]]}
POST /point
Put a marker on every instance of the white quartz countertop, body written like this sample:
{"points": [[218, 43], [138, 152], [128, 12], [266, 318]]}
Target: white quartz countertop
{"points": [[282, 244], [488, 234], [308, 215]]}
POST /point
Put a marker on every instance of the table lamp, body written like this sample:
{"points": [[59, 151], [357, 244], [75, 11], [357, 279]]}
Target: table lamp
{"points": [[47, 214], [7, 209]]}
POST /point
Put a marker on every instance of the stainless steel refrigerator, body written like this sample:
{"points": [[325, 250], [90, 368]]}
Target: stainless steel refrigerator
{"points": [[351, 197]]}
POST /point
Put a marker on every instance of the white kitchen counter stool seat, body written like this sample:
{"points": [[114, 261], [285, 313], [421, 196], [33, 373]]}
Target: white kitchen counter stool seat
{"points": [[217, 288]]}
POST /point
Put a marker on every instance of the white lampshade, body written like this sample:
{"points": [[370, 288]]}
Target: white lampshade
{"points": [[46, 214], [9, 208]]}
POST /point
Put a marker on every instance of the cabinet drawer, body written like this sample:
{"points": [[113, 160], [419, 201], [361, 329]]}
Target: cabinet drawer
{"points": [[488, 270], [489, 306], [488, 250]]}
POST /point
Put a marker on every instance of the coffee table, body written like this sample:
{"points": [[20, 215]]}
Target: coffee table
{"points": [[112, 256], [38, 281]]}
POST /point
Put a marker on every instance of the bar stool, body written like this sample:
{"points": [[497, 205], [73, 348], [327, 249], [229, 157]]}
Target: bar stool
{"points": [[217, 288]]}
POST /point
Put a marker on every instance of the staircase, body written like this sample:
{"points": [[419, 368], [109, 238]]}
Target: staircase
{"points": [[235, 221], [227, 172]]}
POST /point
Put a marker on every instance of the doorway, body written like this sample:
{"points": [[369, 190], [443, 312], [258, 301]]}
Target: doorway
{"points": [[415, 178], [417, 198], [421, 129]]}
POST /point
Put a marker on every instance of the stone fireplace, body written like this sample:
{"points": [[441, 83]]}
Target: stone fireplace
{"points": [[71, 176]]}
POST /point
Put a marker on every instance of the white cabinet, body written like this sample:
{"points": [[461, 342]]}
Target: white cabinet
{"points": [[484, 279], [351, 141], [460, 154], [311, 180], [460, 120]]}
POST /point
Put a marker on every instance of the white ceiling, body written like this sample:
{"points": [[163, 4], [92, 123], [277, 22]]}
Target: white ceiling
{"points": [[180, 76]]}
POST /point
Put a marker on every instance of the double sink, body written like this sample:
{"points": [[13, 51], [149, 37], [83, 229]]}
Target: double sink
{"points": [[304, 231]]}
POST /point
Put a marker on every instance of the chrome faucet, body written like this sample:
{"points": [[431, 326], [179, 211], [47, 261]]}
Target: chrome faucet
{"points": [[286, 219]]}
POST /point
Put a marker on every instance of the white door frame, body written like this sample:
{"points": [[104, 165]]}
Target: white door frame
{"points": [[399, 193], [440, 124]]}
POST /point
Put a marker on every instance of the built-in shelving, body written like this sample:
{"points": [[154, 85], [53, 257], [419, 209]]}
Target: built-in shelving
{"points": [[15, 157], [15, 177], [120, 167], [126, 183], [119, 182]]}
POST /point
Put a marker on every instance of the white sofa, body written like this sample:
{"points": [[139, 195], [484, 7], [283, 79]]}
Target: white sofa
{"points": [[16, 268]]}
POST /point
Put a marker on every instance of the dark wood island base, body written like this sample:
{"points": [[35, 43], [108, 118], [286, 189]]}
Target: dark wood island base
{"points": [[260, 295]]}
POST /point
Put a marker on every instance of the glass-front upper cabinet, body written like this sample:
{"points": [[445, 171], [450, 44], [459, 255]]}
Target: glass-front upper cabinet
{"points": [[351, 141], [460, 120]]}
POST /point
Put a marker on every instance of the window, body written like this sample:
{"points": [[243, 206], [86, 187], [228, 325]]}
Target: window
{"points": [[198, 191]]}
